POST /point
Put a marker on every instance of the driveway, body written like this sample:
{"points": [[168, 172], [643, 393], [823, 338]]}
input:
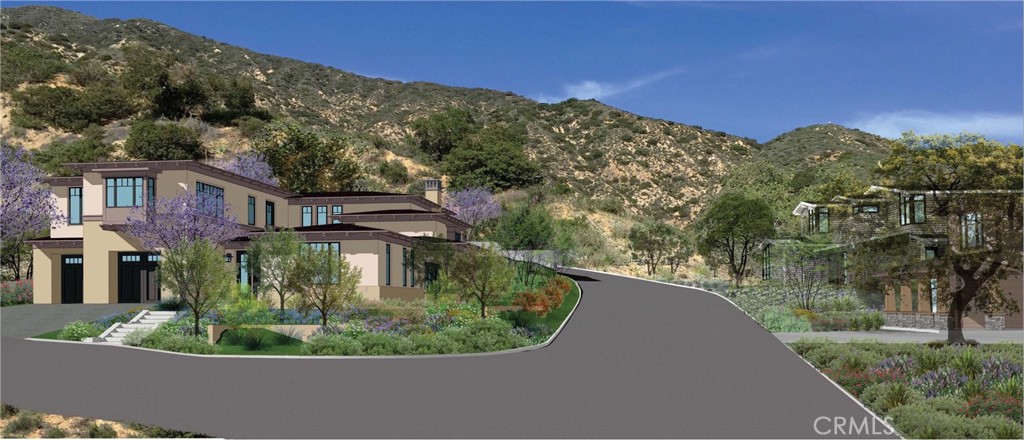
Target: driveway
{"points": [[29, 320], [637, 359]]}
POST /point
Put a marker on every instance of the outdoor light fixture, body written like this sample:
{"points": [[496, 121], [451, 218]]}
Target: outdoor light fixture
{"points": [[227, 257]]}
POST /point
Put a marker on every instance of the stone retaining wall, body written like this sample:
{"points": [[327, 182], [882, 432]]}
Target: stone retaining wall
{"points": [[935, 321]]}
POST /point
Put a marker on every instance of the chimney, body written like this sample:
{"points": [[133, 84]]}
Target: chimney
{"points": [[433, 191]]}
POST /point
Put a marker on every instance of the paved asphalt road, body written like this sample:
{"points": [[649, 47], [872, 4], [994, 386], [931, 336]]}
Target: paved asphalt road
{"points": [[26, 321], [638, 359]]}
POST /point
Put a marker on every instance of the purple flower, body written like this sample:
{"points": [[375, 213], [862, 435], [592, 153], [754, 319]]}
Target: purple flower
{"points": [[186, 218], [26, 205], [941, 382], [473, 205], [249, 164]]}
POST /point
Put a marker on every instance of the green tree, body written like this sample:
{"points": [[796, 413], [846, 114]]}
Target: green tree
{"points": [[185, 94], [731, 227], [197, 274], [439, 133], [272, 257], [145, 71], [306, 160], [650, 241], [833, 179], [74, 110], [25, 62], [431, 262], [976, 188], [325, 281], [89, 148], [493, 158], [525, 228], [482, 275], [770, 183], [151, 141]]}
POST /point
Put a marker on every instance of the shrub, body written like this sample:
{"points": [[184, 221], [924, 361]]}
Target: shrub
{"points": [[246, 311], [394, 172], [782, 320], [150, 141], [483, 335], [332, 345], [7, 411], [54, 432], [985, 404], [996, 426], [941, 382], [901, 364], [1011, 387], [379, 344], [25, 423], [16, 292], [928, 361], [254, 339], [823, 355], [169, 339], [898, 394], [435, 344], [135, 338], [853, 362], [74, 110], [536, 302], [78, 330], [101, 430], [804, 345], [25, 62], [946, 404], [857, 381], [996, 370], [967, 363], [918, 420]]}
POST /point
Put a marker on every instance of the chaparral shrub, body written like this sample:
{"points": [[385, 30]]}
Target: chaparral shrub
{"points": [[332, 345]]}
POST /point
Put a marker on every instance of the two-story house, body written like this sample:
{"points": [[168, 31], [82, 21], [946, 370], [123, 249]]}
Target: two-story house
{"points": [[912, 219], [90, 259]]}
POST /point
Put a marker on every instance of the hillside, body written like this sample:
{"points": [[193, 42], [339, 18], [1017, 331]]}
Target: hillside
{"points": [[817, 144], [597, 152]]}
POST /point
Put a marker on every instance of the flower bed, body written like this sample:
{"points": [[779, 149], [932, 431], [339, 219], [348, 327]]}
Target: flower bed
{"points": [[942, 392], [14, 293]]}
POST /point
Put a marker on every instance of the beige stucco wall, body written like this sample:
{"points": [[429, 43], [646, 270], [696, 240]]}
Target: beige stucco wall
{"points": [[46, 274], [100, 248], [59, 196], [236, 197], [428, 228]]}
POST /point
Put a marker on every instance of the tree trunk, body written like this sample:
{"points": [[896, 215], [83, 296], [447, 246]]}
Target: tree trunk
{"points": [[323, 319], [483, 310], [195, 321], [955, 321], [281, 295]]}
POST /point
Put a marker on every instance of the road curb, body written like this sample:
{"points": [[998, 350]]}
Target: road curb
{"points": [[313, 358]]}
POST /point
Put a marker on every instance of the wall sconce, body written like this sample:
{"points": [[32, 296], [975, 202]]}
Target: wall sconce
{"points": [[227, 257]]}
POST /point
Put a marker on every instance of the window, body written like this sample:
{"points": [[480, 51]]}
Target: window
{"points": [[150, 191], [412, 268], [865, 209], [251, 210], [912, 209], [933, 286], [334, 248], [820, 220], [213, 198], [405, 267], [270, 213], [766, 262], [124, 192], [307, 216], [337, 210], [321, 215], [458, 236], [970, 230], [75, 206], [931, 252], [387, 264]]}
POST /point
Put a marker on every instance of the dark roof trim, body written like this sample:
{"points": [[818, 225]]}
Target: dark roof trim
{"points": [[63, 181], [178, 165], [56, 243], [367, 198], [385, 216]]}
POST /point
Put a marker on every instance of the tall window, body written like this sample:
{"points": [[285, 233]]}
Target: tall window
{"points": [[251, 211], [933, 287], [822, 219], [150, 191], [270, 213], [970, 230], [766, 262], [387, 264], [337, 210], [405, 267], [412, 268], [307, 216], [75, 206], [321, 215], [912, 209], [124, 192], [214, 193], [335, 248]]}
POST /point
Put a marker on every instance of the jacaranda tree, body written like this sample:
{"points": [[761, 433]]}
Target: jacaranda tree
{"points": [[26, 208], [167, 223], [473, 206], [250, 164]]}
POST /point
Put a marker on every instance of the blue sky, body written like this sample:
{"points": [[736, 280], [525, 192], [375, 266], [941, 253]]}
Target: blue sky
{"points": [[751, 69]]}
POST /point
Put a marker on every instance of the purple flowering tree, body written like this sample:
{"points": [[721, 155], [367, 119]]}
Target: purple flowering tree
{"points": [[249, 164], [473, 206], [184, 219], [26, 208]]}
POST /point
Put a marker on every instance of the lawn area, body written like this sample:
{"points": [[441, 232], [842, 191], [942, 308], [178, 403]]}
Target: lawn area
{"points": [[49, 335], [929, 390]]}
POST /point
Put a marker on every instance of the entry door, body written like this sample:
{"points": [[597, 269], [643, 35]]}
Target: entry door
{"points": [[71, 279], [137, 278]]}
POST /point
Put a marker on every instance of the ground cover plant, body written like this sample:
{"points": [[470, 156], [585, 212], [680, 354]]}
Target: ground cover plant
{"points": [[14, 293], [16, 422], [937, 391]]}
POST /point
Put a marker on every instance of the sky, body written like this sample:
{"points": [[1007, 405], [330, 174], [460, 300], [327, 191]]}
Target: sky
{"points": [[749, 69]]}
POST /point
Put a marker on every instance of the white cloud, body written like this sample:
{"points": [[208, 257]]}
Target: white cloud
{"points": [[892, 124], [590, 89]]}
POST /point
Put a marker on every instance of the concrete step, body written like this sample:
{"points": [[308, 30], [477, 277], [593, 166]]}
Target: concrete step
{"points": [[159, 313], [150, 321], [135, 325]]}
